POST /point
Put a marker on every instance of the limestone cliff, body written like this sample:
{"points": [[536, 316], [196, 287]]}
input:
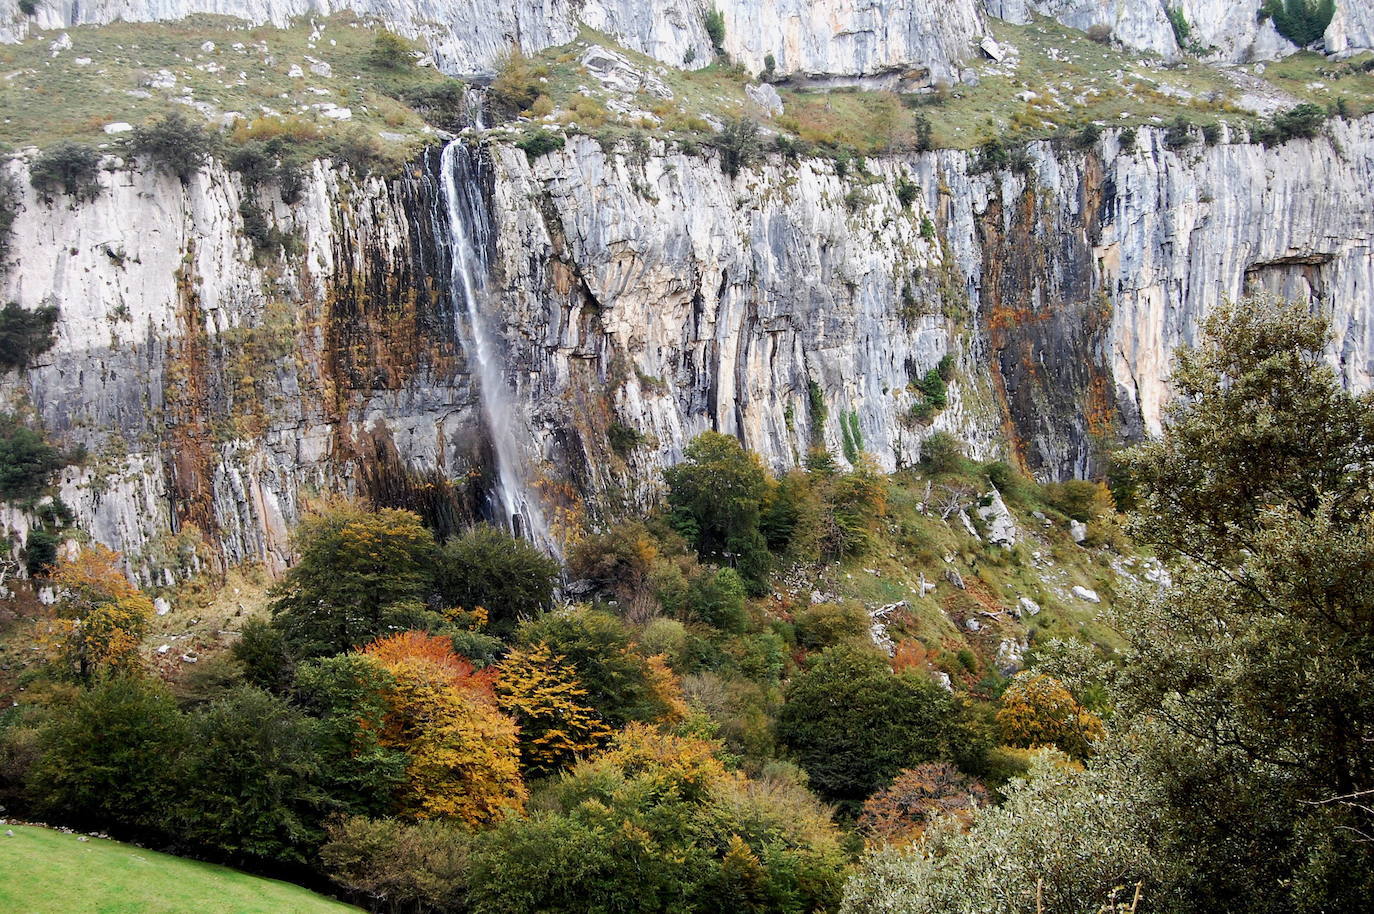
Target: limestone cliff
{"points": [[644, 296]]}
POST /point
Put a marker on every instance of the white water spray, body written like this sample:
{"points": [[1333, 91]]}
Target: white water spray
{"points": [[469, 236]]}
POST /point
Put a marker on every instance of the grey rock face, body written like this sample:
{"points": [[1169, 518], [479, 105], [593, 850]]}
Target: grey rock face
{"points": [[214, 389]]}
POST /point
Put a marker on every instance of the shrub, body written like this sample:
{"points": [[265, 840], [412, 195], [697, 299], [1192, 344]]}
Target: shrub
{"points": [[906, 192], [28, 7], [40, 552], [174, 143], [1001, 154], [488, 568], [917, 798], [26, 460], [1179, 21], [1126, 139], [396, 866], [828, 624], [69, 168], [9, 211], [517, 83], [1036, 710], [25, 333], [925, 134], [1300, 21], [1101, 33], [1179, 134], [1087, 136], [389, 51], [716, 496], [263, 653], [853, 724], [942, 453], [738, 142], [770, 66], [540, 143], [715, 30], [624, 439], [1302, 121]]}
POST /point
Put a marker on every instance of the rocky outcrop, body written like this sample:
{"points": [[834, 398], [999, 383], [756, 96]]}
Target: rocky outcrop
{"points": [[1226, 30], [644, 296], [831, 37]]}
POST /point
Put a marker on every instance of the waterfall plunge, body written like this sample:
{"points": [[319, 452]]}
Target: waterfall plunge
{"points": [[469, 240]]}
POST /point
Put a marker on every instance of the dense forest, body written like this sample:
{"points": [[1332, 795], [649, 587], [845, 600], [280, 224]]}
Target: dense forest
{"points": [[663, 725]]}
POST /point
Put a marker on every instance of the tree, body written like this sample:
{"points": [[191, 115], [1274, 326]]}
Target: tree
{"points": [[488, 568], [175, 143], [917, 798], [361, 574], [402, 866], [1063, 841], [25, 333], [597, 646], [462, 752], [250, 788], [102, 617], [1036, 710], [107, 757], [942, 453], [542, 692], [27, 462], [716, 496], [347, 694], [1300, 21], [389, 51], [654, 823], [853, 724], [69, 168], [739, 145]]}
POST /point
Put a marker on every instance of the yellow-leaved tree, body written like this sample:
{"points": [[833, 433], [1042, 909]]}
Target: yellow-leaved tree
{"points": [[541, 691], [462, 751], [1037, 710], [101, 616]]}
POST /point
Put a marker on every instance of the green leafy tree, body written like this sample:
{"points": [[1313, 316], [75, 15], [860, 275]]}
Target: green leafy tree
{"points": [[69, 168], [250, 785], [362, 573], [853, 724], [717, 496], [107, 757], [1300, 21], [347, 694], [25, 333], [27, 462], [488, 568], [175, 143], [598, 647]]}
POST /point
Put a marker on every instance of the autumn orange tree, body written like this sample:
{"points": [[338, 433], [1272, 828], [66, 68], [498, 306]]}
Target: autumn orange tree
{"points": [[462, 751], [542, 692], [102, 616], [901, 812], [1037, 710]]}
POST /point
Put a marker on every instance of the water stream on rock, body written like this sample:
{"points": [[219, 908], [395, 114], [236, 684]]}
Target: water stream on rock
{"points": [[513, 502]]}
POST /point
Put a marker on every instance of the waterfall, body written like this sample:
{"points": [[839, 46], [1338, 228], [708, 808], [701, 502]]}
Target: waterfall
{"points": [[470, 235]]}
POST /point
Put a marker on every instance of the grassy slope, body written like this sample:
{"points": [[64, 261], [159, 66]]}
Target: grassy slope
{"points": [[49, 872], [47, 97]]}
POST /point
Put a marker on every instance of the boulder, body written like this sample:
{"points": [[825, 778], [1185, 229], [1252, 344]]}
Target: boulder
{"points": [[1084, 593]]}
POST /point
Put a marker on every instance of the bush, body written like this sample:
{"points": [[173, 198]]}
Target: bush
{"points": [[389, 51], [540, 143], [1179, 134], [398, 865], [517, 83], [488, 568], [624, 439], [9, 211], [942, 453], [1001, 154], [1182, 30], [853, 724], [1087, 136], [1300, 21], [907, 192], [738, 142], [174, 143], [69, 168], [917, 798], [26, 460], [1302, 121], [1100, 33], [25, 334], [28, 7], [828, 624], [715, 30], [1126, 139], [40, 552], [1211, 134]]}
